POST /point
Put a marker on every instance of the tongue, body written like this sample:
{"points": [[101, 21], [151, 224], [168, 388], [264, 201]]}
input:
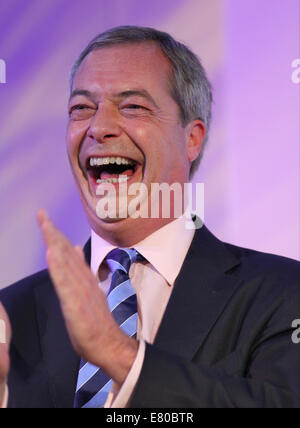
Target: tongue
{"points": [[104, 175]]}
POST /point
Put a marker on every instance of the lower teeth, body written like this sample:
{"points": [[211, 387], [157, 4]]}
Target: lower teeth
{"points": [[113, 180]]}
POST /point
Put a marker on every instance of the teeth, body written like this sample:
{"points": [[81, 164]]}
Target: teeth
{"points": [[110, 161], [121, 179]]}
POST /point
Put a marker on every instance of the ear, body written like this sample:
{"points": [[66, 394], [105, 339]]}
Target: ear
{"points": [[195, 134]]}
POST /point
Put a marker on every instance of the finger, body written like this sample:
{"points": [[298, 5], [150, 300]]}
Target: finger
{"points": [[77, 291], [66, 289], [71, 258], [72, 278], [42, 216], [69, 272], [51, 235]]}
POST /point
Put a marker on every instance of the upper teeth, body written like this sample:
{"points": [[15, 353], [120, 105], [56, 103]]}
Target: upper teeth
{"points": [[110, 160]]}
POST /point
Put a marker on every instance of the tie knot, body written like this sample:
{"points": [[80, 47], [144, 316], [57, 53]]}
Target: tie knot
{"points": [[122, 258]]}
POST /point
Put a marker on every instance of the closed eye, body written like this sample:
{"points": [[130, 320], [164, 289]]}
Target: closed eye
{"points": [[81, 112], [78, 107], [135, 106]]}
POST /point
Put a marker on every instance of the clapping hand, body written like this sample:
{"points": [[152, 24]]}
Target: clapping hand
{"points": [[94, 334]]}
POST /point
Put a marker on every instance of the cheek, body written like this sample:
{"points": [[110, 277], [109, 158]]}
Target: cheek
{"points": [[137, 133], [149, 137], [161, 146], [144, 137], [76, 131]]}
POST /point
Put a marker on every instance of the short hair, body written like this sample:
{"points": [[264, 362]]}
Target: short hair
{"points": [[190, 87]]}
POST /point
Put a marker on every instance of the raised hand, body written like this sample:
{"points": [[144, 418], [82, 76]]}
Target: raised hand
{"points": [[94, 334]]}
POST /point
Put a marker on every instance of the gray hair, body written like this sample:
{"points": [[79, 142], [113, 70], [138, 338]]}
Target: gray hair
{"points": [[190, 87]]}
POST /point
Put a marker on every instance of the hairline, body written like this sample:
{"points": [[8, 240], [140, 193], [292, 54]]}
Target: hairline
{"points": [[109, 45]]}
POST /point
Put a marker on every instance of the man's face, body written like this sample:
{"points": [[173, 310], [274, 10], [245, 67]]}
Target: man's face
{"points": [[124, 120]]}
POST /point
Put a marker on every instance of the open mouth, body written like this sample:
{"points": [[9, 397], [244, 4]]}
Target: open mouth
{"points": [[112, 170]]}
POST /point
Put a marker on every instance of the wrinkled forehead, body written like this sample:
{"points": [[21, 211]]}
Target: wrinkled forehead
{"points": [[133, 61]]}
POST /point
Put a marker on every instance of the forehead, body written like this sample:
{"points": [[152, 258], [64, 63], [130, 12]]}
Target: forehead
{"points": [[123, 66]]}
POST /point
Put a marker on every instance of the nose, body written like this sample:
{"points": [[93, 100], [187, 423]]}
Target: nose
{"points": [[104, 124]]}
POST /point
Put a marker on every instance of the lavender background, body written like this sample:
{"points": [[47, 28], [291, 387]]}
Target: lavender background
{"points": [[251, 166]]}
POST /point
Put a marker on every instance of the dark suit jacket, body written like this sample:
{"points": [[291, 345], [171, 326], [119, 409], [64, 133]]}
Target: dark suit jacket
{"points": [[225, 339]]}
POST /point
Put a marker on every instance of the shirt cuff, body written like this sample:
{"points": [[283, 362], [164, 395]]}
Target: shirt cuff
{"points": [[120, 398], [5, 400]]}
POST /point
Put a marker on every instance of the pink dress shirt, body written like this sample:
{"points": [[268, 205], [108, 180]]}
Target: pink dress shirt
{"points": [[165, 251]]}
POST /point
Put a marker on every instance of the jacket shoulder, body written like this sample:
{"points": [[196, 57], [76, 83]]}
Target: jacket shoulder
{"points": [[281, 271], [19, 292]]}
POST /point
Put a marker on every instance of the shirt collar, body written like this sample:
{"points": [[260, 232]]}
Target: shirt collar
{"points": [[165, 249]]}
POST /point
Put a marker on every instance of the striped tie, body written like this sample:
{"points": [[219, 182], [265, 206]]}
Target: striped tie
{"points": [[93, 384]]}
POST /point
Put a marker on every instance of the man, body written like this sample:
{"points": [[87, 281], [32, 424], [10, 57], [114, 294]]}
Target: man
{"points": [[203, 323]]}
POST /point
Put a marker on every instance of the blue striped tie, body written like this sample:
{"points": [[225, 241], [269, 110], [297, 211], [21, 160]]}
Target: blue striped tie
{"points": [[93, 384]]}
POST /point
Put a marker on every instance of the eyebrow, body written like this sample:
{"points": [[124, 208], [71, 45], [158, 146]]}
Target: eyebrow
{"points": [[124, 94], [82, 92], [138, 92]]}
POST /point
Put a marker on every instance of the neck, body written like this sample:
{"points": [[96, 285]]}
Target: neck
{"points": [[129, 232]]}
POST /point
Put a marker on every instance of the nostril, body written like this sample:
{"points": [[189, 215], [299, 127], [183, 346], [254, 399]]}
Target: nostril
{"points": [[101, 135], [109, 136]]}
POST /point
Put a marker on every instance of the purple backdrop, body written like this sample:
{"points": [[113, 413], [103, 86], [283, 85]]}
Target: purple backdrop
{"points": [[251, 166]]}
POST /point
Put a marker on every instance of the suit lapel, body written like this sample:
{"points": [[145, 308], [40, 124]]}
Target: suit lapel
{"points": [[200, 294]]}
